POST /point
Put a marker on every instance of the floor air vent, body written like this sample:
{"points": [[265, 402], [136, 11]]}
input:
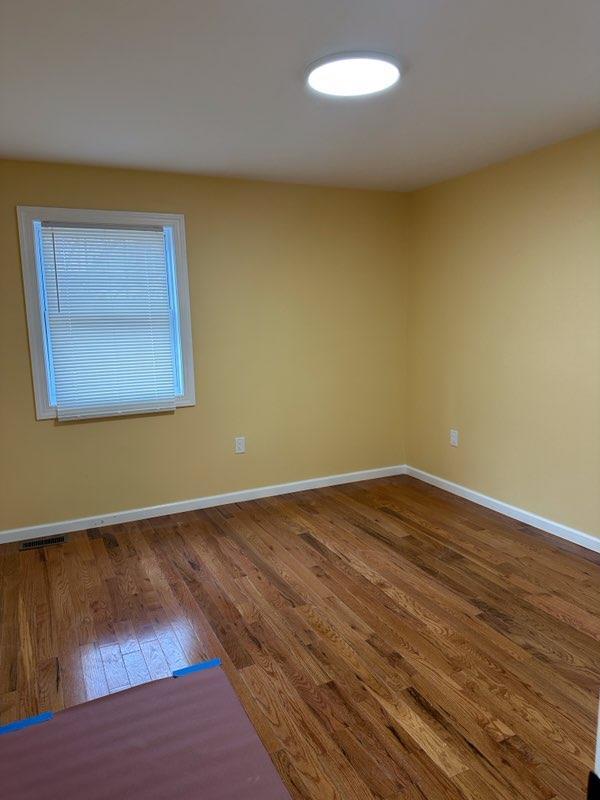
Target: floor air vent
{"points": [[32, 544]]}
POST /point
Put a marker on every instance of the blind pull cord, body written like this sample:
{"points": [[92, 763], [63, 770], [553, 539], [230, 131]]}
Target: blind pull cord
{"points": [[55, 273]]}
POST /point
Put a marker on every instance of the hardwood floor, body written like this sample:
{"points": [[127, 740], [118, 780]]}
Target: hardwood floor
{"points": [[388, 640]]}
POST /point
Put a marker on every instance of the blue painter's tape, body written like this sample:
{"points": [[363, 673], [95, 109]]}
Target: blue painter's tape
{"points": [[179, 673], [26, 723]]}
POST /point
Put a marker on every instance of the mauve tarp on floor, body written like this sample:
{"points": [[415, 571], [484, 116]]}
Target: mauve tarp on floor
{"points": [[179, 739]]}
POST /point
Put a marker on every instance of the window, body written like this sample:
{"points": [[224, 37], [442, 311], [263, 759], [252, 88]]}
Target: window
{"points": [[107, 310]]}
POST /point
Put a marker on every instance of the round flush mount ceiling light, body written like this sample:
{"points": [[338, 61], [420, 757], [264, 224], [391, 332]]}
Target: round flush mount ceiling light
{"points": [[353, 74]]}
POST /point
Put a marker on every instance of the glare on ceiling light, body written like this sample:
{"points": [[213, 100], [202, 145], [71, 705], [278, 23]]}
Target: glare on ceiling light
{"points": [[353, 74]]}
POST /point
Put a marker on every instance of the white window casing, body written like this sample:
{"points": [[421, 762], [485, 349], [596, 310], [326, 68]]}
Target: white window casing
{"points": [[108, 311]]}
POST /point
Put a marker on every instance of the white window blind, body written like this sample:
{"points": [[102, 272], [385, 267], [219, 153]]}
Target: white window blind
{"points": [[112, 340]]}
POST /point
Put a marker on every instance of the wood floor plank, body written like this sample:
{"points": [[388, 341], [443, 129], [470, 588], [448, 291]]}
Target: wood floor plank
{"points": [[388, 640], [155, 659], [94, 675]]}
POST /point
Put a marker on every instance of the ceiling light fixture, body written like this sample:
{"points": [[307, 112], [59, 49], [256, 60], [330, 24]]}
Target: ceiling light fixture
{"points": [[353, 74]]}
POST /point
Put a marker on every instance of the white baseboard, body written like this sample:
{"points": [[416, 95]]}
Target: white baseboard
{"points": [[83, 523], [563, 531]]}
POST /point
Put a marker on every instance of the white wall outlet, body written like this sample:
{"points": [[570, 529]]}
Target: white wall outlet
{"points": [[453, 437], [239, 444]]}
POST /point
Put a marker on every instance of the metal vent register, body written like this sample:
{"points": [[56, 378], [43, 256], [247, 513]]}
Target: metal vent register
{"points": [[31, 544]]}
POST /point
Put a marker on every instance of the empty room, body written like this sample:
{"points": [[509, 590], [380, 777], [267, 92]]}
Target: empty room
{"points": [[300, 408]]}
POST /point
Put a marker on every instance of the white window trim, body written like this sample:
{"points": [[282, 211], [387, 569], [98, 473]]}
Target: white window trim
{"points": [[27, 215]]}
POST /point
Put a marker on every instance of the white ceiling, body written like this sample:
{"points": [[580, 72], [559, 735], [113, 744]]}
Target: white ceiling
{"points": [[216, 86]]}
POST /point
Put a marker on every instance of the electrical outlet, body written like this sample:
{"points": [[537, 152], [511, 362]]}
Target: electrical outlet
{"points": [[453, 437], [239, 444]]}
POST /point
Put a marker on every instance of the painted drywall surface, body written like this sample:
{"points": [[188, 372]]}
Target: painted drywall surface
{"points": [[504, 332], [299, 340], [299, 316]]}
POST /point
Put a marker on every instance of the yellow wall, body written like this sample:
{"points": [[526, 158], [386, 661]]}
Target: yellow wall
{"points": [[297, 299], [313, 310], [504, 331]]}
